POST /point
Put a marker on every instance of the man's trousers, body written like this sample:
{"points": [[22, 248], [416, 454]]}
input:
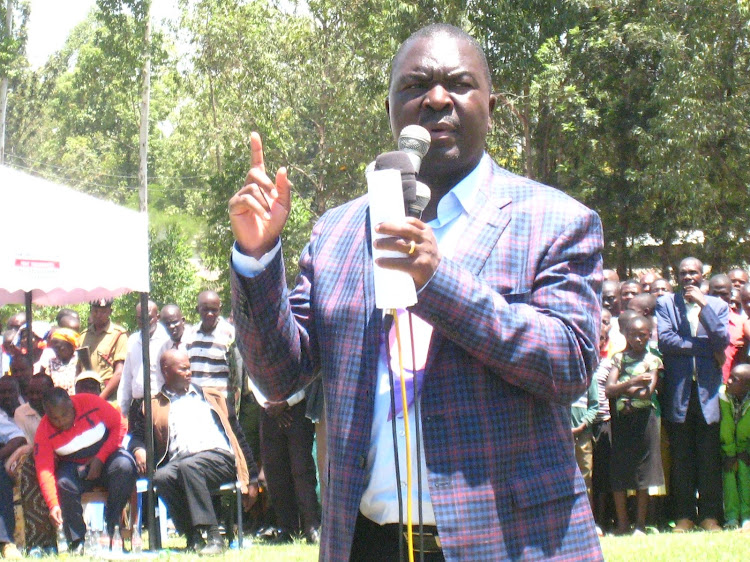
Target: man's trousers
{"points": [[696, 464], [7, 516], [118, 477], [290, 469], [185, 485]]}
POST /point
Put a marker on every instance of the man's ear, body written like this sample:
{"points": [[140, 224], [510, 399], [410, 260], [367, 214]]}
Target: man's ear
{"points": [[492, 103]]}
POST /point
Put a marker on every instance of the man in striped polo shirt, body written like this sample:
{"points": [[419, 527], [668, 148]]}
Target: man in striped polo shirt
{"points": [[209, 346]]}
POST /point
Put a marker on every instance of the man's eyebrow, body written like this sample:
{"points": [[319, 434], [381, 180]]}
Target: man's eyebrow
{"points": [[427, 73]]}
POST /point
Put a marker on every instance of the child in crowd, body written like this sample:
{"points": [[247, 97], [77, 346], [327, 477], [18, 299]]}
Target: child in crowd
{"points": [[601, 431], [635, 462], [645, 304], [734, 403], [582, 414]]}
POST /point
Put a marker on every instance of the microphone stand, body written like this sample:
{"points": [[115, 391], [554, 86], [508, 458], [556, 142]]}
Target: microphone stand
{"points": [[407, 441], [418, 436], [388, 321]]}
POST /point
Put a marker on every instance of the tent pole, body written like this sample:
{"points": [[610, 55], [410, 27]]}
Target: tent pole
{"points": [[29, 332], [145, 340]]}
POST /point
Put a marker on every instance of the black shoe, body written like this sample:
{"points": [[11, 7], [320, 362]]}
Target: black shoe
{"points": [[280, 536], [214, 546], [312, 536], [195, 541], [76, 548]]}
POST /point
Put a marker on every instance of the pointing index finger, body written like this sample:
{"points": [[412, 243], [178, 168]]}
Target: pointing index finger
{"points": [[256, 152]]}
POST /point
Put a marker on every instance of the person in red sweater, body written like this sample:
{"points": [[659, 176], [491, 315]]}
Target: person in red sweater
{"points": [[77, 447]]}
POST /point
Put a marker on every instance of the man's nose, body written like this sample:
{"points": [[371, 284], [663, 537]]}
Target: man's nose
{"points": [[437, 97]]}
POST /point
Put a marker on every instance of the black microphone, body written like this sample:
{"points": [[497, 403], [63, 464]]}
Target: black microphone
{"points": [[420, 202], [414, 141], [400, 161]]}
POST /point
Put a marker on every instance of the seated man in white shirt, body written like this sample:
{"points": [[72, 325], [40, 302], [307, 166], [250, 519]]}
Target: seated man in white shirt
{"points": [[197, 440]]}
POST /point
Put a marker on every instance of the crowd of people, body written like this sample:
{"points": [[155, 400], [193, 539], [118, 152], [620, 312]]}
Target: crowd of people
{"points": [[72, 419], [505, 329], [666, 419]]}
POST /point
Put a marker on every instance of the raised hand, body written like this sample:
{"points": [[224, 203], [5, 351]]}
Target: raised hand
{"points": [[259, 211], [694, 294]]}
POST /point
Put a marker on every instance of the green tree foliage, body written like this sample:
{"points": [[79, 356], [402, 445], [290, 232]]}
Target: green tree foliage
{"points": [[303, 83], [652, 120], [637, 107], [76, 120], [173, 275], [12, 45]]}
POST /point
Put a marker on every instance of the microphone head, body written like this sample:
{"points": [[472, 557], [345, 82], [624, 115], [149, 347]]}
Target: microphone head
{"points": [[423, 195], [421, 200], [415, 141], [400, 161]]}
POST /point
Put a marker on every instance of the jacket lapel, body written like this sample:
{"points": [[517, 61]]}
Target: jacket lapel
{"points": [[373, 316], [488, 219]]}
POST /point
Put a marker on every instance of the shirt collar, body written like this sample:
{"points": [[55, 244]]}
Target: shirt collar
{"points": [[460, 199], [174, 396], [219, 322]]}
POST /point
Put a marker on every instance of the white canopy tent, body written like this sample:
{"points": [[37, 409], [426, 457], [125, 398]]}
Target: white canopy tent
{"points": [[45, 262], [106, 256]]}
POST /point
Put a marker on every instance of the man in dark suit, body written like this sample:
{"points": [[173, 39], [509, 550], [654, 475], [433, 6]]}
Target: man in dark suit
{"points": [[509, 275], [692, 337]]}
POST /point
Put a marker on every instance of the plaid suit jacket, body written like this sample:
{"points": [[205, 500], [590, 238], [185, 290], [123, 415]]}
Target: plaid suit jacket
{"points": [[516, 323]]}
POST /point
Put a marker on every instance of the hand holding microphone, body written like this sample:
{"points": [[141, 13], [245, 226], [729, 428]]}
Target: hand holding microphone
{"points": [[416, 240], [411, 237]]}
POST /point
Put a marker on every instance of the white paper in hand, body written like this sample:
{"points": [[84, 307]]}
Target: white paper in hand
{"points": [[393, 289]]}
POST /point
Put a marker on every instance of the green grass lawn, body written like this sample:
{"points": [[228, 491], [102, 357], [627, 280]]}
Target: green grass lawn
{"points": [[693, 547]]}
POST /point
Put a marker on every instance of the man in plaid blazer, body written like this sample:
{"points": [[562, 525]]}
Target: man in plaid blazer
{"points": [[514, 308]]}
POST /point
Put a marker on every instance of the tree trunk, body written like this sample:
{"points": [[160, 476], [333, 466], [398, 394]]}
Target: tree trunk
{"points": [[4, 83]]}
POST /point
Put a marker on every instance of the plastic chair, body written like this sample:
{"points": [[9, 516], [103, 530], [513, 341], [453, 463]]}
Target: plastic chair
{"points": [[232, 489], [99, 496]]}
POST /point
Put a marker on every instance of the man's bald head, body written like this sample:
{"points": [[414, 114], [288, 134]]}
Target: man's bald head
{"points": [[611, 296], [644, 304], [59, 409], [175, 366], [173, 320], [690, 273], [738, 277], [209, 309], [16, 321], [720, 286], [153, 316]]}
